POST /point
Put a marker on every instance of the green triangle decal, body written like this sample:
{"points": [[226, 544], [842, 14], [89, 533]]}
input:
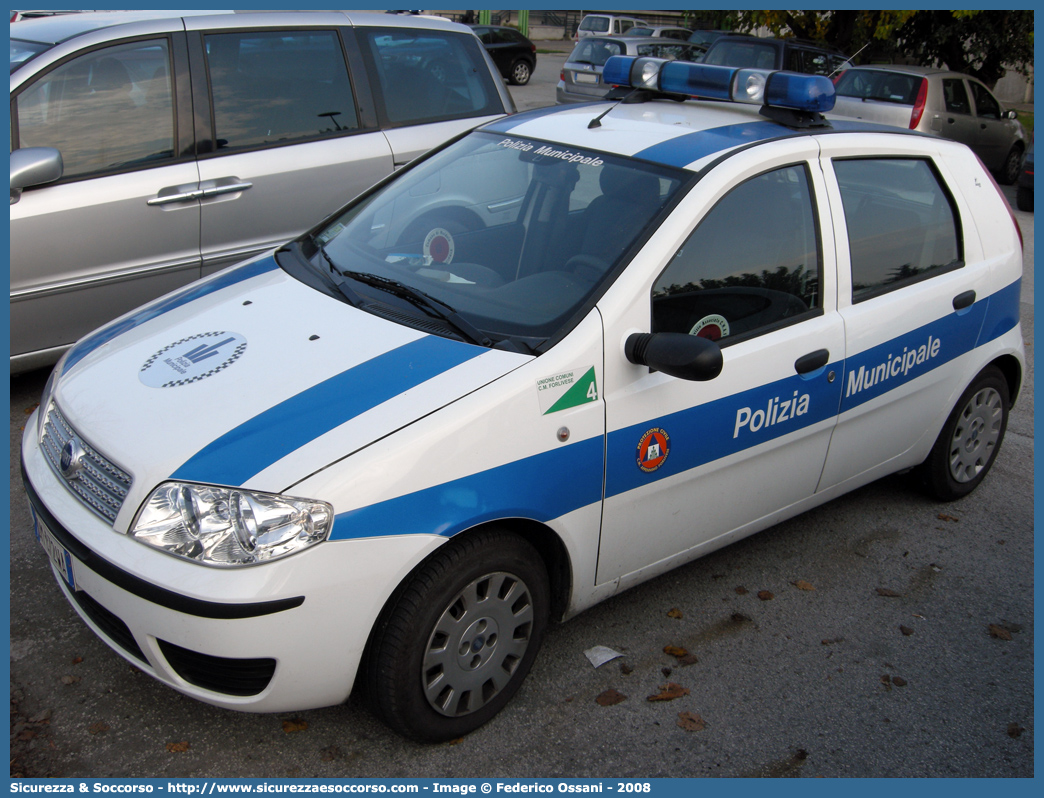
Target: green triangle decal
{"points": [[581, 392]]}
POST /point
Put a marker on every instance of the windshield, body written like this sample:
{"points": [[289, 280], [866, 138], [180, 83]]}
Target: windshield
{"points": [[512, 234], [22, 51], [867, 84]]}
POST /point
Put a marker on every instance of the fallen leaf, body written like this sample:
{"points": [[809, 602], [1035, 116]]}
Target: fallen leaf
{"points": [[831, 641], [178, 748], [1015, 730], [666, 671], [884, 591], [899, 681], [625, 668], [906, 630], [945, 517], [609, 698], [766, 595], [886, 680], [675, 651], [29, 410], [457, 741], [801, 584], [295, 725], [691, 721], [77, 660], [688, 659], [330, 753], [26, 734], [668, 692], [742, 590], [98, 728], [999, 632], [675, 613], [75, 679]]}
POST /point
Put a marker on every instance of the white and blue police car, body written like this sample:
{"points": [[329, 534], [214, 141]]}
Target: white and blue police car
{"points": [[559, 356]]}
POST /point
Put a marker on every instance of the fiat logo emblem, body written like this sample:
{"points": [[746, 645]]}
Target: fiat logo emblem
{"points": [[72, 459]]}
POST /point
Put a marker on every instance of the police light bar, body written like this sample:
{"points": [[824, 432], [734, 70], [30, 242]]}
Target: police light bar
{"points": [[794, 90]]}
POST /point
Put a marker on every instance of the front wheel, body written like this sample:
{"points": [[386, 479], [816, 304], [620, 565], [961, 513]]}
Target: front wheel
{"points": [[458, 639], [971, 438], [1012, 166]]}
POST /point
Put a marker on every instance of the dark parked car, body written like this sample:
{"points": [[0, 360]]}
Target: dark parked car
{"points": [[707, 37], [513, 54], [794, 55], [1024, 194]]}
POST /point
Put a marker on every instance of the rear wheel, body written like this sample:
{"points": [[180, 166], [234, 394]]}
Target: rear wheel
{"points": [[971, 438], [520, 72], [459, 638]]}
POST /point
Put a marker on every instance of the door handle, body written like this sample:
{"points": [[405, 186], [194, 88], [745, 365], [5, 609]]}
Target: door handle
{"points": [[964, 300], [232, 188], [812, 361], [181, 196]]}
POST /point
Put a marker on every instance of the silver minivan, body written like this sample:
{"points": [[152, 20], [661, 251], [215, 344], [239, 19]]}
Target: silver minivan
{"points": [[149, 149]]}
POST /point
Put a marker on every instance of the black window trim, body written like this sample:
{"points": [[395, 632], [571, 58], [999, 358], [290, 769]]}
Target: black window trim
{"points": [[954, 265], [811, 313], [205, 123], [180, 101]]}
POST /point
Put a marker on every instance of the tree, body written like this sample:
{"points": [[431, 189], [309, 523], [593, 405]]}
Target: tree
{"points": [[981, 43]]}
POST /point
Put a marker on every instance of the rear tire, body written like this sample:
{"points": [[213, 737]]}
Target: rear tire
{"points": [[970, 439], [1012, 166], [458, 639], [520, 72]]}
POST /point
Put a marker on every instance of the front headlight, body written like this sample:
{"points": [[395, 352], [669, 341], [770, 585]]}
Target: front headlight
{"points": [[228, 526]]}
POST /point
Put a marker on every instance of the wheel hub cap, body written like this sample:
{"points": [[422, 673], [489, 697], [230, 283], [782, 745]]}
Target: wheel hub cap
{"points": [[478, 642], [976, 435]]}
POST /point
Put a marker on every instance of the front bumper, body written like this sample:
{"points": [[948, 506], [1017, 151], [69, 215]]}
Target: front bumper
{"points": [[285, 635]]}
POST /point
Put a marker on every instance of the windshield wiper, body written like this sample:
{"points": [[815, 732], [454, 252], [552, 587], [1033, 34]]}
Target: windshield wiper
{"points": [[336, 276], [428, 303]]}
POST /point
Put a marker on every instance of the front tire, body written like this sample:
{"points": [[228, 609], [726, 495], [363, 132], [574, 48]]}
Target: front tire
{"points": [[1012, 166], [1024, 199], [457, 640], [971, 438]]}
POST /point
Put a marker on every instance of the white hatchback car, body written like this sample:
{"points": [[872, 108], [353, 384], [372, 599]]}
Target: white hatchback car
{"points": [[446, 417]]}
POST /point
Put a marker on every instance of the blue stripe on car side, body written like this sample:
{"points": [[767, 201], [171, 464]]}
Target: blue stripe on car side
{"points": [[683, 150], [194, 291], [273, 434], [1002, 314], [541, 488]]}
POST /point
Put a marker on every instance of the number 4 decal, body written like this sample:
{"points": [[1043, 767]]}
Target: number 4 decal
{"points": [[567, 389]]}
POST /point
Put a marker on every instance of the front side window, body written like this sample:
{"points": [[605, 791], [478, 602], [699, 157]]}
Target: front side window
{"points": [[751, 265], [902, 226], [427, 76], [595, 24], [108, 110], [514, 234], [986, 104], [276, 87]]}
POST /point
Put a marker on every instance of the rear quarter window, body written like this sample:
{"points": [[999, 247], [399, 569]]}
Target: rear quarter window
{"points": [[901, 221], [429, 76]]}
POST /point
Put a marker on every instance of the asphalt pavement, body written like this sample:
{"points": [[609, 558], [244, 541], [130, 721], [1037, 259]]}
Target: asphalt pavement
{"points": [[882, 634]]}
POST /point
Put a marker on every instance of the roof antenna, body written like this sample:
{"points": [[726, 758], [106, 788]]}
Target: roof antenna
{"points": [[849, 62], [633, 96]]}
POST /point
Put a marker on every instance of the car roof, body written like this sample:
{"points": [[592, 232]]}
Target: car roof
{"points": [[909, 69], [687, 135]]}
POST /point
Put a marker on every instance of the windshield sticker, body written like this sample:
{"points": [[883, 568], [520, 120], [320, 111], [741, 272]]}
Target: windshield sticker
{"points": [[714, 327], [569, 156], [567, 389], [439, 246], [192, 359], [653, 449]]}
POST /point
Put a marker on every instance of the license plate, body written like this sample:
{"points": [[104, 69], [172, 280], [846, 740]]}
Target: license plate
{"points": [[60, 558], [585, 77]]}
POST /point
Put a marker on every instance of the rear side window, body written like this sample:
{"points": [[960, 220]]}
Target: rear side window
{"points": [[429, 76], [595, 24], [107, 110], [276, 87], [956, 96], [751, 265], [902, 226]]}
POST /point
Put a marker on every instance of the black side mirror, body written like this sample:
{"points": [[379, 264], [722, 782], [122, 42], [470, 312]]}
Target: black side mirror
{"points": [[687, 357]]}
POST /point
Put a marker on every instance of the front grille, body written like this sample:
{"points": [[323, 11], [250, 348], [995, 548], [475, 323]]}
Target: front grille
{"points": [[115, 629], [99, 483], [240, 677]]}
